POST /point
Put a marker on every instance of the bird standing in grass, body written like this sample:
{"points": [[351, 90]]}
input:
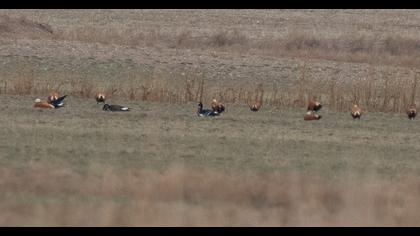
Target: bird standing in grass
{"points": [[254, 106], [411, 112], [205, 112], [108, 107], [314, 105], [217, 106], [356, 112], [100, 97], [52, 97]]}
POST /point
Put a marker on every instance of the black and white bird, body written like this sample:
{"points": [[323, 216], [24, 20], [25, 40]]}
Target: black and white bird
{"points": [[59, 102], [108, 107], [205, 112]]}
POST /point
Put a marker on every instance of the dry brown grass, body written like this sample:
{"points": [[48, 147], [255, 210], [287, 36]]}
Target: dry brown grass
{"points": [[181, 196], [24, 28], [361, 47], [375, 92], [387, 50], [386, 94]]}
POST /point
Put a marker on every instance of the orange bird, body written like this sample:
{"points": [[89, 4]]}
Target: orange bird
{"points": [[411, 112], [217, 106], [42, 104], [52, 97], [356, 111], [100, 97], [314, 105], [254, 106], [311, 115]]}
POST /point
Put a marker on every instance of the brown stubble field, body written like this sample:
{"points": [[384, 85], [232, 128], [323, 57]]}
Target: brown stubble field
{"points": [[161, 165]]}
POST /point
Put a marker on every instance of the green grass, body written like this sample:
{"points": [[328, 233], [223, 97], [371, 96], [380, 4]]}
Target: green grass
{"points": [[161, 160], [157, 135]]}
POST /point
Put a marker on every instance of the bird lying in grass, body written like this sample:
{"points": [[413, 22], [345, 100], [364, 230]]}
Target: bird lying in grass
{"points": [[205, 112], [108, 107], [42, 104], [311, 115], [56, 103], [59, 102]]}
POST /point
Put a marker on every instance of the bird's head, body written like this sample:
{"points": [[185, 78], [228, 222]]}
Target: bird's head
{"points": [[105, 107]]}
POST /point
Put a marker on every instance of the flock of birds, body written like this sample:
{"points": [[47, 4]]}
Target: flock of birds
{"points": [[54, 101], [312, 110], [217, 108]]}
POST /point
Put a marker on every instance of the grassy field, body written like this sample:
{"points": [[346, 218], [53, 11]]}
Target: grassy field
{"points": [[163, 160], [162, 165]]}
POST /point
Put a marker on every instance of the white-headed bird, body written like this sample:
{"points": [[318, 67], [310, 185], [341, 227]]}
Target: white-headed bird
{"points": [[217, 106], [100, 97], [311, 115], [42, 104]]}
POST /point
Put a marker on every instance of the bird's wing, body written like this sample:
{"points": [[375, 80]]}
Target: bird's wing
{"points": [[119, 108], [59, 101]]}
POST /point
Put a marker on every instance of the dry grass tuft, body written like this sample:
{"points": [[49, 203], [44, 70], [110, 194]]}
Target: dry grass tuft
{"points": [[387, 94], [24, 28], [201, 197]]}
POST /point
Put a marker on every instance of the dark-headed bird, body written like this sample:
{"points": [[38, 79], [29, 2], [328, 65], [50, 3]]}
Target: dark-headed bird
{"points": [[311, 115], [100, 97], [217, 106], [356, 112], [254, 106], [314, 105], [205, 112], [108, 107], [411, 112]]}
